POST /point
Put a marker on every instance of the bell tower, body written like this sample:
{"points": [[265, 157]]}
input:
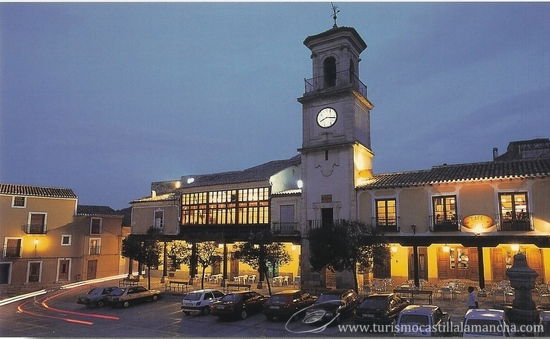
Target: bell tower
{"points": [[336, 150]]}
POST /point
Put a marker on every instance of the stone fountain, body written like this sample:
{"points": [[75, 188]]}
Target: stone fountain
{"points": [[522, 279]]}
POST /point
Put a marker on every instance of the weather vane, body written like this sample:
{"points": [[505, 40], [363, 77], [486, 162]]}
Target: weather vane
{"points": [[335, 11]]}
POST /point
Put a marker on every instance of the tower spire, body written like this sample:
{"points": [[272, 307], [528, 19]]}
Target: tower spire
{"points": [[335, 11]]}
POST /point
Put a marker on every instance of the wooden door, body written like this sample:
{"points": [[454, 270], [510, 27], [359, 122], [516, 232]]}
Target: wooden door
{"points": [[534, 260], [422, 263], [443, 270], [498, 264], [234, 267], [63, 270], [473, 269], [92, 269]]}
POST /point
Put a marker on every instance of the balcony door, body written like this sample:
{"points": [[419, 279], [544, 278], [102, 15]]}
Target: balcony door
{"points": [[92, 269], [37, 223], [327, 216]]}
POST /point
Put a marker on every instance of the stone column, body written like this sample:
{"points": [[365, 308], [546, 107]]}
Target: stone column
{"points": [[522, 279]]}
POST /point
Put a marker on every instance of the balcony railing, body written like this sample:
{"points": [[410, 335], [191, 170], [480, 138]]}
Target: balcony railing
{"points": [[341, 79], [11, 252], [285, 228], [95, 250], [386, 224], [515, 222], [444, 224], [33, 228]]}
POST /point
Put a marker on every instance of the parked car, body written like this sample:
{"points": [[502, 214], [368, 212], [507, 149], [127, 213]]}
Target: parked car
{"points": [[200, 301], [485, 322], [545, 322], [334, 304], [380, 308], [238, 304], [422, 321], [128, 295], [96, 296], [286, 303]]}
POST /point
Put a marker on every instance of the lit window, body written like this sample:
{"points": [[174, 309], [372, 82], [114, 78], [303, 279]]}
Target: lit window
{"points": [[444, 209], [386, 215], [95, 246]]}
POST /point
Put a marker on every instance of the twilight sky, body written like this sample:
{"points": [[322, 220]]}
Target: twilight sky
{"points": [[105, 98]]}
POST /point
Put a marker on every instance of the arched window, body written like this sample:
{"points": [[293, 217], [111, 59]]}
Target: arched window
{"points": [[329, 71]]}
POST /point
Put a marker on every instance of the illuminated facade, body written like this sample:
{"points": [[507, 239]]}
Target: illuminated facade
{"points": [[450, 222], [48, 240]]}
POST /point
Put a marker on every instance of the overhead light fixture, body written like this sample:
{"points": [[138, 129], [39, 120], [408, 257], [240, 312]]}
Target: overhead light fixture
{"points": [[394, 249], [300, 183], [190, 180], [514, 247], [446, 248]]}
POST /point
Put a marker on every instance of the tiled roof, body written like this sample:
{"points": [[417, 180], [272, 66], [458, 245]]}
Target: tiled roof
{"points": [[95, 210], [38, 191], [296, 191], [256, 173], [159, 197], [461, 173]]}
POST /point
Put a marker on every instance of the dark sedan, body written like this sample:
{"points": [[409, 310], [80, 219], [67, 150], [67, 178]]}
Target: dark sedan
{"points": [[96, 297], [286, 303], [331, 305], [238, 304], [380, 308]]}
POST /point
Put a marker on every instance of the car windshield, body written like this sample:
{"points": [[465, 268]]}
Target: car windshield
{"points": [[418, 319], [281, 298], [328, 297], [374, 302], [230, 298], [193, 296], [487, 327], [118, 291], [95, 291]]}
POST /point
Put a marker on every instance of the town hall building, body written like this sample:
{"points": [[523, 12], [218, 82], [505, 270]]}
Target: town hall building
{"points": [[462, 221]]}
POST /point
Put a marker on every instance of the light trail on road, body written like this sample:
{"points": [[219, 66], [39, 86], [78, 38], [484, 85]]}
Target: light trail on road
{"points": [[70, 320], [93, 315]]}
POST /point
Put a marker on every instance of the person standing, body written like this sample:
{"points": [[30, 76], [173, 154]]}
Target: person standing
{"points": [[472, 298]]}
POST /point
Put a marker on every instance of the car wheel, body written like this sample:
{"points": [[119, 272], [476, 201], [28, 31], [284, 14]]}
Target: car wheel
{"points": [[206, 310], [100, 303], [155, 297], [126, 304], [243, 314], [186, 313]]}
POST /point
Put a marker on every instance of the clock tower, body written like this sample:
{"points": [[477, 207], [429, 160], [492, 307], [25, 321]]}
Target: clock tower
{"points": [[336, 150]]}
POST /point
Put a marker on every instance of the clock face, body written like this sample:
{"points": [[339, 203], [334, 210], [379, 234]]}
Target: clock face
{"points": [[326, 117]]}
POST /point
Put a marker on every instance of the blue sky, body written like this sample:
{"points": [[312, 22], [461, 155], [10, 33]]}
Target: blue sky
{"points": [[105, 98]]}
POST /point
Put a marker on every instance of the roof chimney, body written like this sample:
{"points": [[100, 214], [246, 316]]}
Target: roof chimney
{"points": [[495, 153]]}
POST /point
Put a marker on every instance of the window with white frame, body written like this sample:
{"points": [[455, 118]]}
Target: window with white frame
{"points": [[95, 226], [37, 223], [66, 240], [34, 271], [5, 273], [95, 246], [12, 247], [159, 219], [19, 201]]}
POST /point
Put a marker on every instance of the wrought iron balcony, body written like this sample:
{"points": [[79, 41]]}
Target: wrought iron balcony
{"points": [[33, 228], [520, 221], [339, 80], [95, 250], [442, 224], [285, 228], [11, 252], [386, 224]]}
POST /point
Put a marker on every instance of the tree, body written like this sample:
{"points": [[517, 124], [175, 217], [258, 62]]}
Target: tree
{"points": [[131, 248], [145, 251], [206, 256], [258, 252], [179, 253], [344, 245]]}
